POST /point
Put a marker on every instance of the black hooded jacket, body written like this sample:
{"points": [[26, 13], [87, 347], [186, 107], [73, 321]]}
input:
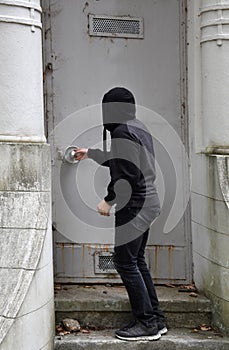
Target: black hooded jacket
{"points": [[131, 157]]}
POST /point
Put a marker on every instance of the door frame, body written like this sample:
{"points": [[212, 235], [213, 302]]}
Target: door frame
{"points": [[48, 66]]}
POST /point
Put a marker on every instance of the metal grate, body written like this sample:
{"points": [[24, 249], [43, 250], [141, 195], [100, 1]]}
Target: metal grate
{"points": [[104, 262], [122, 27]]}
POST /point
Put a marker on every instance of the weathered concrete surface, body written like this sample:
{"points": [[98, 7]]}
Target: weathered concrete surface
{"points": [[27, 240], [210, 223], [174, 340], [26, 268], [109, 306], [208, 129], [21, 168]]}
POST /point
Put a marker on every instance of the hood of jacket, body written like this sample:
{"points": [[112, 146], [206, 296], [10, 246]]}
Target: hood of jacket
{"points": [[118, 106]]}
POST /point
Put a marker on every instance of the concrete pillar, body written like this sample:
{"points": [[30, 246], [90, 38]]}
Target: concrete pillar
{"points": [[214, 41], [208, 79], [26, 268]]}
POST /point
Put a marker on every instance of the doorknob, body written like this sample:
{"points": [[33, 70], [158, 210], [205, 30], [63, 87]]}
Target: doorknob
{"points": [[69, 155]]}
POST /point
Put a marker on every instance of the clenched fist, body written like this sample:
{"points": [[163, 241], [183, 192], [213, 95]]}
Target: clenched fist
{"points": [[104, 208]]}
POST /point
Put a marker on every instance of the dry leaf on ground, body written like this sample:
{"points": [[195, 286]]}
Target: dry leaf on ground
{"points": [[170, 285], [188, 288], [193, 295]]}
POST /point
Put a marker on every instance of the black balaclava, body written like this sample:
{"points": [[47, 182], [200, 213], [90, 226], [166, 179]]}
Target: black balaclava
{"points": [[118, 106]]}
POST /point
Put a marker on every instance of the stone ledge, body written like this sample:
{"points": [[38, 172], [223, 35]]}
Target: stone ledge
{"points": [[109, 306], [174, 340], [104, 298]]}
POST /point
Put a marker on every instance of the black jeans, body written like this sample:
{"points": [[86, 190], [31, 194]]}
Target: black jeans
{"points": [[130, 263]]}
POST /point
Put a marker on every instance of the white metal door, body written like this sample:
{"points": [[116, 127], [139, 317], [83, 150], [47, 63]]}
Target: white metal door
{"points": [[138, 44]]}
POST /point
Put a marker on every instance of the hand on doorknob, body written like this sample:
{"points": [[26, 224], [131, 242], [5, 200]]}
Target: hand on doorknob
{"points": [[81, 153]]}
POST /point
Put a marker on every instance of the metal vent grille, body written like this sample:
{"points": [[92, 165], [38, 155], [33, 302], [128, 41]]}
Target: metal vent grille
{"points": [[121, 27], [104, 262]]}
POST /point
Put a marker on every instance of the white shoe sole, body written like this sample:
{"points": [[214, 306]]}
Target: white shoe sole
{"points": [[145, 337], [163, 331]]}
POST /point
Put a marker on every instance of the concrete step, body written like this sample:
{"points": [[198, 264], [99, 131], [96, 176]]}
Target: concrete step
{"points": [[176, 339], [108, 306]]}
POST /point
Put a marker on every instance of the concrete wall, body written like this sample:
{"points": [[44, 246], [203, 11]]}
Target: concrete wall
{"points": [[26, 268], [209, 129]]}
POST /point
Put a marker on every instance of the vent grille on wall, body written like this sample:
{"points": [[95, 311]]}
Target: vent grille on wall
{"points": [[104, 263], [120, 27]]}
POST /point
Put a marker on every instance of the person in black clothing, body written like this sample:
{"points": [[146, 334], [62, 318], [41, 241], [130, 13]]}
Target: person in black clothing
{"points": [[131, 161]]}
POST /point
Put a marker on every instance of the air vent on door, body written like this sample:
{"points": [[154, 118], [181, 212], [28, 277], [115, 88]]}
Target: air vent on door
{"points": [[104, 263], [113, 26]]}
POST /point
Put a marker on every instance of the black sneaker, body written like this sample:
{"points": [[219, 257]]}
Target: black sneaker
{"points": [[128, 325], [139, 332], [162, 328]]}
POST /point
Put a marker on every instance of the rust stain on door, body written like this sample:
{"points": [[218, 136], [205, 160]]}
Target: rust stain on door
{"points": [[170, 259]]}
